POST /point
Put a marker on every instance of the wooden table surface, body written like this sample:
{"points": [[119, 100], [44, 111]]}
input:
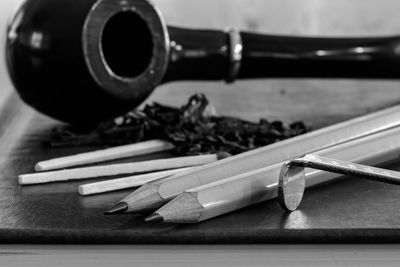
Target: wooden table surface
{"points": [[350, 210]]}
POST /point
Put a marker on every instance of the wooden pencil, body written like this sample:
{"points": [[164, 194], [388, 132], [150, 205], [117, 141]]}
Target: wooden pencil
{"points": [[113, 153], [125, 182], [208, 201], [117, 169], [154, 194]]}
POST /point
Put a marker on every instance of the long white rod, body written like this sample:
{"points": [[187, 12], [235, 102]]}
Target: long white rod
{"points": [[258, 158], [259, 185], [115, 169], [102, 155]]}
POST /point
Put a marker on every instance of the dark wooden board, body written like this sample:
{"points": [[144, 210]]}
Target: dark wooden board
{"points": [[350, 210]]}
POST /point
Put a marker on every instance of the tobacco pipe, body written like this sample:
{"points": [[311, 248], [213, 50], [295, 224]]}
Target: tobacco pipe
{"points": [[89, 60]]}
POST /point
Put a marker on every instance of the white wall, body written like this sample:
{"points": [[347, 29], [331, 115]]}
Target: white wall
{"points": [[320, 17], [309, 17]]}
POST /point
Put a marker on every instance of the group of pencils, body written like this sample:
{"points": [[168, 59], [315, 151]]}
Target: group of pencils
{"points": [[197, 188]]}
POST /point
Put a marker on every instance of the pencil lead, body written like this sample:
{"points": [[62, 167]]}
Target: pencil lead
{"points": [[155, 217], [145, 199], [185, 208], [119, 208]]}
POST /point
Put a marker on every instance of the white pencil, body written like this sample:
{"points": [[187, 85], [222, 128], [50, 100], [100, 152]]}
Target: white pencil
{"points": [[154, 194], [118, 152], [117, 169], [223, 196], [126, 182]]}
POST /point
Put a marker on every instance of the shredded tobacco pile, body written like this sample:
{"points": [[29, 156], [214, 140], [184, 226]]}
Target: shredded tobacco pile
{"points": [[193, 129]]}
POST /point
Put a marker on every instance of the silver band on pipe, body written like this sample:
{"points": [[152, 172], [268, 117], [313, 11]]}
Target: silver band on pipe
{"points": [[235, 54]]}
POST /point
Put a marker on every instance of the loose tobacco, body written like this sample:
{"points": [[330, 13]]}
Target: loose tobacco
{"points": [[192, 128]]}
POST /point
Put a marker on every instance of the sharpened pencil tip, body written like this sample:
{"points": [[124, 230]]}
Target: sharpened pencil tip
{"points": [[119, 208], [155, 217]]}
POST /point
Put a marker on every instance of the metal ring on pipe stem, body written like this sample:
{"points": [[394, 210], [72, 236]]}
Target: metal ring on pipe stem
{"points": [[235, 54]]}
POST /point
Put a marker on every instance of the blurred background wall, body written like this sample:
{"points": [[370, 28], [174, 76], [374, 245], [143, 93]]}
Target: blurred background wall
{"points": [[300, 17], [315, 17]]}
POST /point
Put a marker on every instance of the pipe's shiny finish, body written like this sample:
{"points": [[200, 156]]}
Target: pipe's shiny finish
{"points": [[295, 57], [84, 61], [46, 63]]}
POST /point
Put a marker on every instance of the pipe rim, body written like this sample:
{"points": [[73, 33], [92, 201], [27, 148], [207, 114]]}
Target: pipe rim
{"points": [[125, 88]]}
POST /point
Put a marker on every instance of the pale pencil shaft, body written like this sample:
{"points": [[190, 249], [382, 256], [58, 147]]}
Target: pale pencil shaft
{"points": [[165, 189], [125, 182], [116, 169], [252, 187], [118, 152]]}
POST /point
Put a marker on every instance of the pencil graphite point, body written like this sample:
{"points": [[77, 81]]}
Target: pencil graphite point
{"points": [[155, 217], [145, 199], [118, 208], [185, 208]]}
